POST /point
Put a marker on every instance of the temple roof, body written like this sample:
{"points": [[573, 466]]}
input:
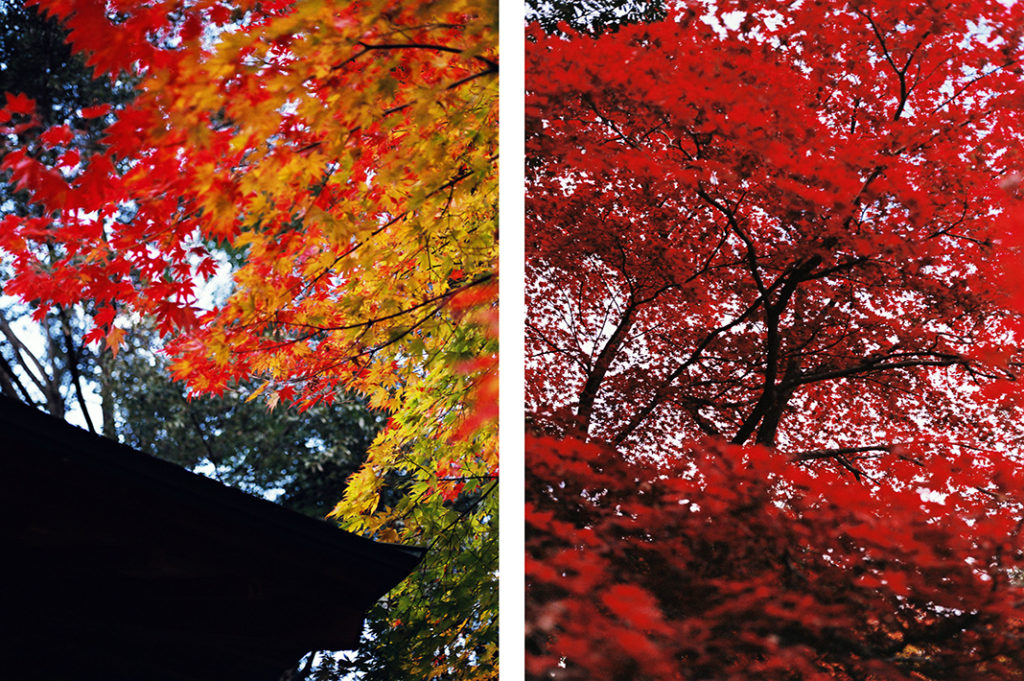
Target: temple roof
{"points": [[122, 567]]}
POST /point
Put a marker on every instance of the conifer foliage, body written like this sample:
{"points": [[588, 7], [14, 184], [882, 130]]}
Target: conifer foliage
{"points": [[337, 162], [772, 349]]}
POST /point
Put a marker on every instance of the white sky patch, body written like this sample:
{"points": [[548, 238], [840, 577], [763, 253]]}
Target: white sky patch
{"points": [[933, 496]]}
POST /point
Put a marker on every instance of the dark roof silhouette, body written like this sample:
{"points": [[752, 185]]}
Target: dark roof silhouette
{"points": [[117, 566]]}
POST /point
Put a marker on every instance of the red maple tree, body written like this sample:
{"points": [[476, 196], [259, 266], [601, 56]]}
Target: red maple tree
{"points": [[769, 332]]}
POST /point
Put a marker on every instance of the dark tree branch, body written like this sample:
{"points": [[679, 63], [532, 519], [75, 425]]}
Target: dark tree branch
{"points": [[73, 360], [773, 397], [874, 366]]}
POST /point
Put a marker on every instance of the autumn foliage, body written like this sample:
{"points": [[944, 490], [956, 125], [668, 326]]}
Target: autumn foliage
{"points": [[759, 567], [772, 349], [336, 163]]}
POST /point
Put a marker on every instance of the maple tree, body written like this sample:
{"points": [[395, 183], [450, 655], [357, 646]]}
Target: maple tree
{"points": [[772, 344], [338, 162]]}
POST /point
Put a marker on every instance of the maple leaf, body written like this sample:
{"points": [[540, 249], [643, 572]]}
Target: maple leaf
{"points": [[55, 137], [20, 104], [95, 111], [114, 339]]}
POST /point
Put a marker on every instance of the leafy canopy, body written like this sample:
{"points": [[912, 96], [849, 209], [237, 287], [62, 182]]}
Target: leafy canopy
{"points": [[768, 323], [338, 162]]}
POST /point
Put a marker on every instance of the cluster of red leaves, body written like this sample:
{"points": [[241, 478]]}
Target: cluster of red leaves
{"points": [[738, 563]]}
